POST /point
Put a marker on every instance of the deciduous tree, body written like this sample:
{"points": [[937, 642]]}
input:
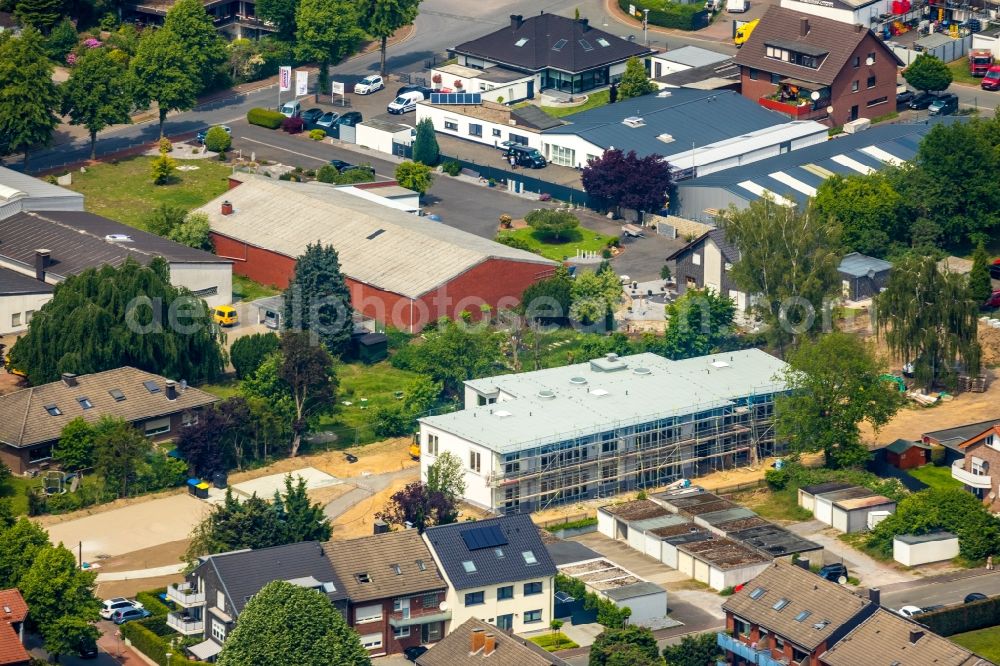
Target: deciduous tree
{"points": [[835, 384], [425, 144], [446, 475], [200, 444], [205, 49], [194, 232], [927, 72], [317, 299], [595, 295], [638, 641], [164, 74], [693, 650], [28, 96], [627, 181], [19, 545], [98, 93], [549, 299], [382, 18], [218, 140], [452, 354], [420, 507], [325, 32], [414, 176], [927, 318], [698, 323], [307, 370], [61, 40], [635, 80], [867, 208], [788, 258], [113, 316], [75, 449], [282, 14], [249, 352], [39, 14], [119, 449], [289, 624], [552, 224], [980, 284]]}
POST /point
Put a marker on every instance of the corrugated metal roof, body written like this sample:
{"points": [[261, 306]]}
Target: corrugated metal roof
{"points": [[411, 256], [859, 265]]}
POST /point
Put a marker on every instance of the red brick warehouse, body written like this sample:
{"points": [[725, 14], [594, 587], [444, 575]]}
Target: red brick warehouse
{"points": [[402, 270]]}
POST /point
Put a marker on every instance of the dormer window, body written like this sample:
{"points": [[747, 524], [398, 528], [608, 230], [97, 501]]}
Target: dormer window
{"points": [[363, 578], [795, 54]]}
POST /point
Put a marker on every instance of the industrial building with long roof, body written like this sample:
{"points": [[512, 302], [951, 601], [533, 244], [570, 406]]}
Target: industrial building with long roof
{"points": [[606, 426]]}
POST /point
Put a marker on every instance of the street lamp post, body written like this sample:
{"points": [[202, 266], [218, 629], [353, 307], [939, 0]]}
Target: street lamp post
{"points": [[645, 27]]}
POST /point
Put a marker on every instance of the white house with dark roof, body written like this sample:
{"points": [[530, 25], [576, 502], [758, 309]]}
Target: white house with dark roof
{"points": [[20, 298]]}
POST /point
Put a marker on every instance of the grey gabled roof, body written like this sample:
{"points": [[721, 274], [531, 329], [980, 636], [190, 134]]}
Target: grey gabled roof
{"points": [[449, 544], [856, 264], [718, 236], [583, 48], [693, 56], [243, 573], [36, 188], [12, 282]]}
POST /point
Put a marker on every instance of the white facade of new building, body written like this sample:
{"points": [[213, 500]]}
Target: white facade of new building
{"points": [[16, 310], [855, 13], [456, 121]]}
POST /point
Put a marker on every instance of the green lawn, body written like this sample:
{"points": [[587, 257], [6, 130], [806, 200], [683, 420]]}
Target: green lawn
{"points": [[594, 100], [960, 72], [936, 477], [125, 191], [577, 239], [14, 490], [984, 642], [366, 386], [777, 505], [553, 642], [556, 349], [245, 289], [226, 388]]}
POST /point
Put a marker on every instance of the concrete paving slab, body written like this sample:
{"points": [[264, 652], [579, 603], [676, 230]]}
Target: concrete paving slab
{"points": [[266, 486], [621, 554]]}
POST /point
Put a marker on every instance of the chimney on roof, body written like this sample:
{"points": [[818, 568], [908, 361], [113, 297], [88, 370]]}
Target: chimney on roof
{"points": [[875, 596], [171, 389], [69, 379], [915, 635], [478, 640], [516, 20], [490, 645], [585, 23], [227, 208], [803, 26], [858, 27], [42, 260]]}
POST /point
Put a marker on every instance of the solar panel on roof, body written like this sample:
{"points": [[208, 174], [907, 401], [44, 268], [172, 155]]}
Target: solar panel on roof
{"points": [[456, 98], [489, 536]]}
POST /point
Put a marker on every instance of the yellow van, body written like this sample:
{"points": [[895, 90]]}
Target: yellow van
{"points": [[225, 315]]}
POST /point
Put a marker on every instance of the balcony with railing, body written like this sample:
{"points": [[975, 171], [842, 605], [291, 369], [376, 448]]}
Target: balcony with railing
{"points": [[412, 616], [185, 624], [744, 651], [959, 473], [186, 595]]}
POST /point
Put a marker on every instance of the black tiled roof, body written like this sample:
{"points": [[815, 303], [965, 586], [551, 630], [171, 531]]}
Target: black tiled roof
{"points": [[12, 282], [582, 46], [243, 573], [491, 568]]}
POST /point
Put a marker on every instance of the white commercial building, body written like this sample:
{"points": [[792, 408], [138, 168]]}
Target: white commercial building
{"points": [[384, 136], [489, 123], [607, 426], [20, 192], [855, 12], [684, 58]]}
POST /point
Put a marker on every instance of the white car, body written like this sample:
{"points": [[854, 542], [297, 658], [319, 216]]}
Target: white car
{"points": [[910, 611], [368, 85], [111, 606]]}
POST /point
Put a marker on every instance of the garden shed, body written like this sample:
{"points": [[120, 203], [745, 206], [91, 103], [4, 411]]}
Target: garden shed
{"points": [[710, 520], [661, 543], [915, 549], [907, 454], [647, 601], [851, 515], [807, 494], [823, 509]]}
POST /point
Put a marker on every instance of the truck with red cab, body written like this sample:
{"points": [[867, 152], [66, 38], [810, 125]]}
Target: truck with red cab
{"points": [[991, 80], [980, 60]]}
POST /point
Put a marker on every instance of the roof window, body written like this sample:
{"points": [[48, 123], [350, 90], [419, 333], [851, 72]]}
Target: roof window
{"points": [[498, 552], [396, 569], [151, 386], [603, 42], [780, 603], [85, 403], [469, 566], [529, 557], [117, 394], [801, 617], [585, 45], [363, 578], [53, 410], [421, 565], [757, 593], [521, 42], [377, 232], [558, 46]]}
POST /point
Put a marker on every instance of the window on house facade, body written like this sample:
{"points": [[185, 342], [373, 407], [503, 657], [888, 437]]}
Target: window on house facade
{"points": [[220, 600], [752, 73], [15, 319], [189, 418], [800, 655], [429, 600], [401, 632], [157, 426], [28, 316], [857, 62], [562, 156], [475, 129], [496, 132], [371, 641], [534, 587], [219, 630], [871, 81], [741, 627], [871, 58], [775, 78], [475, 461], [451, 125], [696, 259], [855, 86], [370, 613], [877, 101], [432, 445], [505, 592], [532, 616], [779, 643], [475, 598]]}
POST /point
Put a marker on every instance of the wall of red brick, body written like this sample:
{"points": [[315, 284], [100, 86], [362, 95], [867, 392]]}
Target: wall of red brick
{"points": [[258, 264]]}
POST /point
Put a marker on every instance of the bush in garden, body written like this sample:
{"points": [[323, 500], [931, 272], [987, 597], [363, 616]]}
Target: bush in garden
{"points": [[293, 125], [265, 118]]}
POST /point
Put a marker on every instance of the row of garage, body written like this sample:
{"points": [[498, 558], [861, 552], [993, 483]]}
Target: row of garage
{"points": [[844, 506]]}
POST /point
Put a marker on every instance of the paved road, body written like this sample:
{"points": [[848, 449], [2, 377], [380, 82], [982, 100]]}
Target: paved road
{"points": [[948, 589], [364, 487]]}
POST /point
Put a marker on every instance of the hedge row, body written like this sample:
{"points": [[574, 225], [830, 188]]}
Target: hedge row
{"points": [[967, 617], [150, 600], [671, 14], [265, 118], [794, 475], [155, 647]]}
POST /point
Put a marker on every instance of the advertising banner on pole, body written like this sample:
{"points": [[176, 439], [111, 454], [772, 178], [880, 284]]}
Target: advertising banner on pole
{"points": [[284, 79], [301, 83]]}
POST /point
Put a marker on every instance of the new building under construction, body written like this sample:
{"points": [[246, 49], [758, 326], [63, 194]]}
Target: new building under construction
{"points": [[614, 424]]}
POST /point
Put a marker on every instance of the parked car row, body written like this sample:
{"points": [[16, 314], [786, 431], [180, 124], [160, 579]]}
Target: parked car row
{"points": [[121, 610], [937, 104]]}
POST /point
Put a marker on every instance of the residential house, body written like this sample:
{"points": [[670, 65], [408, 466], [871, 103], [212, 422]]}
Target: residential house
{"points": [[562, 53], [683, 58], [217, 590], [706, 263], [792, 178], [981, 462], [696, 131], [862, 277], [809, 67], [52, 245], [475, 642], [402, 270], [13, 612], [951, 439], [498, 571], [234, 19], [489, 123], [606, 426], [888, 638], [907, 454], [20, 298], [32, 419], [396, 594], [789, 615]]}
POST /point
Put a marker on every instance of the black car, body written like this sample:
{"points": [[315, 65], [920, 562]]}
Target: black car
{"points": [[415, 652], [835, 573], [311, 115], [974, 596], [423, 89], [944, 105], [904, 97], [341, 166], [86, 648], [995, 269], [922, 100], [351, 118]]}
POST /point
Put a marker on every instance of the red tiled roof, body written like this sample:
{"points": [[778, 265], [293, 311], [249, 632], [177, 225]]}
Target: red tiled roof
{"points": [[13, 608], [11, 650]]}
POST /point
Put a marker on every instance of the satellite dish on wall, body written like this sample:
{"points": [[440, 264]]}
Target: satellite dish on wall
{"points": [[443, 606], [814, 96]]}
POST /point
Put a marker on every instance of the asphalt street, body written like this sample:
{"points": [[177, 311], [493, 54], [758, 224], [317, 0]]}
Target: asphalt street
{"points": [[943, 590]]}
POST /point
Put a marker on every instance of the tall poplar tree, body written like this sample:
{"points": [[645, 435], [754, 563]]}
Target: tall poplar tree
{"points": [[28, 96]]}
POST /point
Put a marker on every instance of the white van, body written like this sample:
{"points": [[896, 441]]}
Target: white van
{"points": [[291, 109], [737, 6], [405, 102]]}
